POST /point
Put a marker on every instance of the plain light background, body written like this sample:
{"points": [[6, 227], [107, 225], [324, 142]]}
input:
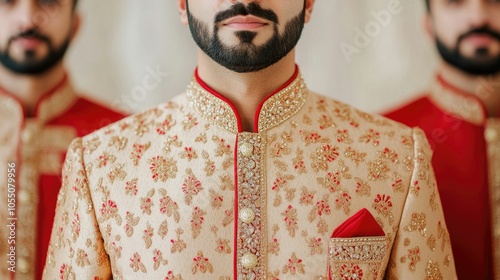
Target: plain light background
{"points": [[122, 41]]}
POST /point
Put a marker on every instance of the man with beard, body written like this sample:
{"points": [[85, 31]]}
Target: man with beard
{"points": [[39, 116], [249, 175], [460, 116]]}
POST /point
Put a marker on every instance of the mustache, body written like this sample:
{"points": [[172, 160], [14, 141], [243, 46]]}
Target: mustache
{"points": [[484, 30], [253, 9], [31, 34]]}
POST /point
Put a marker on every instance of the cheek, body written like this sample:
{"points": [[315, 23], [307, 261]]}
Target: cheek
{"points": [[205, 11], [289, 12], [5, 33], [57, 29], [448, 30]]}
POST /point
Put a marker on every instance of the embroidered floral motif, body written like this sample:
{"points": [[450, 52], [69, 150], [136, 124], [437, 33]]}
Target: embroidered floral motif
{"points": [[191, 186], [158, 259], [362, 187], [290, 220], [343, 137], [322, 156], [197, 221], [201, 264], [131, 187], [82, 258], [178, 245], [306, 196], [168, 206], [343, 201], [163, 168], [356, 157], [377, 170], [137, 152], [294, 266], [163, 229], [147, 202], [370, 136], [326, 122], [147, 235], [189, 153], [382, 204], [109, 210], [414, 258], [136, 264], [298, 162], [166, 125], [433, 271], [417, 223]]}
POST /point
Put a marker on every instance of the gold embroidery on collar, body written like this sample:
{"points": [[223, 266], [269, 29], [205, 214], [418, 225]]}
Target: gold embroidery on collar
{"points": [[56, 103], [492, 136], [277, 109], [282, 105], [467, 108], [212, 108]]}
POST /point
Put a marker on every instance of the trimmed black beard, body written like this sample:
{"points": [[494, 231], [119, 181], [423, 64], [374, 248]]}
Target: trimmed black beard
{"points": [[480, 65], [247, 57], [31, 66]]}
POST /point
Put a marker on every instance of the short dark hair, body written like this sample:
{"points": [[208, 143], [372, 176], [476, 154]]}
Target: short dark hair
{"points": [[427, 5]]}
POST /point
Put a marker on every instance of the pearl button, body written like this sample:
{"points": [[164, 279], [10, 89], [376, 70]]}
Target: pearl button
{"points": [[247, 215], [249, 261], [246, 149]]}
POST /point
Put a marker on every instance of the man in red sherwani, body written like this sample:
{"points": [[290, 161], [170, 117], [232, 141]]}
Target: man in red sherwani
{"points": [[39, 115], [460, 116]]}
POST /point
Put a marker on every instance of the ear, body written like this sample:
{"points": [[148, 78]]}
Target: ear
{"points": [[77, 21], [183, 11], [428, 26], [309, 9]]}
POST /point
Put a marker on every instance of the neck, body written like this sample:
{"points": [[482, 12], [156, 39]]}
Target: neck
{"points": [[30, 88], [485, 88], [245, 90]]}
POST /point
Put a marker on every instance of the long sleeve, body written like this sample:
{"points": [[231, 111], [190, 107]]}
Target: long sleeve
{"points": [[422, 248], [76, 245]]}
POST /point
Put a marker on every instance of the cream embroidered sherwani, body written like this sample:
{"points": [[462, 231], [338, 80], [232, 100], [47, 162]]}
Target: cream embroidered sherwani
{"points": [[180, 192]]}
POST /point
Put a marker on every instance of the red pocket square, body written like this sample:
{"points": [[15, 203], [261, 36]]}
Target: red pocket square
{"points": [[361, 224]]}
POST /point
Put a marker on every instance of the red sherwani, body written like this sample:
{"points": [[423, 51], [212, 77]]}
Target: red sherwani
{"points": [[466, 160], [37, 146]]}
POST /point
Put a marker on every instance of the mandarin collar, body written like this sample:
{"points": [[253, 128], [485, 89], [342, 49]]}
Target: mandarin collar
{"points": [[273, 110], [461, 104], [51, 104]]}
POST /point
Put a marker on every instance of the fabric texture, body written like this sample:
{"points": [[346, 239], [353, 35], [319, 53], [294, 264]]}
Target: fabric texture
{"points": [[181, 192], [466, 165]]}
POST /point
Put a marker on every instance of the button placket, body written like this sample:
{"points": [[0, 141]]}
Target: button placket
{"points": [[251, 232]]}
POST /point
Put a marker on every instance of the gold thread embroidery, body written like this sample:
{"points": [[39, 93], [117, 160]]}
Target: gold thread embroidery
{"points": [[282, 105], [252, 235], [465, 107]]}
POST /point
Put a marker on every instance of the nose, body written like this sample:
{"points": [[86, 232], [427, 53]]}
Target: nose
{"points": [[25, 14], [478, 13]]}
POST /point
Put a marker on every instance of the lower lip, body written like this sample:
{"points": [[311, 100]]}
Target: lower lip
{"points": [[480, 40], [28, 43], [245, 26]]}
